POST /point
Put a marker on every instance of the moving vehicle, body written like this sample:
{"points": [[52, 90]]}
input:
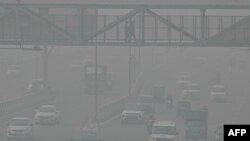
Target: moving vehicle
{"points": [[163, 131], [132, 116], [19, 128], [183, 82], [169, 102], [47, 114], [218, 94], [90, 78], [219, 136], [147, 109], [192, 92]]}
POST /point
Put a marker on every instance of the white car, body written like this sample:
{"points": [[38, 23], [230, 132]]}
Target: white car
{"points": [[163, 131], [183, 82], [132, 116], [218, 94], [192, 92], [19, 127], [47, 114]]}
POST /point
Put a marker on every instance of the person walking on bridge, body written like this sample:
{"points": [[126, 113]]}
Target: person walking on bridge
{"points": [[132, 31], [126, 30]]}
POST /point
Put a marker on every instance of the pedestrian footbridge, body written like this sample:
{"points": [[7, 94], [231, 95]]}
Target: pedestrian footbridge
{"points": [[35, 24]]}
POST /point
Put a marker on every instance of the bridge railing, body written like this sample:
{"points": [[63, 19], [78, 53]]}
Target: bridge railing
{"points": [[56, 28]]}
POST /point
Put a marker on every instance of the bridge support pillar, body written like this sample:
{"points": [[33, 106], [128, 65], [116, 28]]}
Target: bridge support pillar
{"points": [[203, 26]]}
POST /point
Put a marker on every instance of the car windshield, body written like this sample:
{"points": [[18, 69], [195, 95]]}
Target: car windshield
{"points": [[19, 122], [219, 89], [163, 130], [47, 109]]}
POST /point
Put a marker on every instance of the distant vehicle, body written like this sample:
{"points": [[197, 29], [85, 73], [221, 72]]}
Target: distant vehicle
{"points": [[196, 123], [146, 99], [159, 93], [218, 94], [90, 78], [219, 136], [13, 71], [132, 116], [20, 128], [146, 108], [47, 114], [192, 92], [163, 131], [169, 102], [183, 82], [88, 134], [35, 85]]}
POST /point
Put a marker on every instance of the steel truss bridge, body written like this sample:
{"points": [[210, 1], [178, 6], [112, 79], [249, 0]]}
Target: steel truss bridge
{"points": [[35, 24]]}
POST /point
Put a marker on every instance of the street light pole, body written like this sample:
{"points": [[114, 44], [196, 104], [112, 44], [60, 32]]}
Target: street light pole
{"points": [[153, 58], [96, 84], [45, 66], [129, 71]]}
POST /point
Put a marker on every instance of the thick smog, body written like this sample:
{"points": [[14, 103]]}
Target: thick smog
{"points": [[135, 70]]}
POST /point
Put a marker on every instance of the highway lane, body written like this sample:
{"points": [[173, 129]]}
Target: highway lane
{"points": [[74, 105], [234, 77]]}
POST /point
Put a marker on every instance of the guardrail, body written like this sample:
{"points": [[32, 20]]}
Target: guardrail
{"points": [[26, 101]]}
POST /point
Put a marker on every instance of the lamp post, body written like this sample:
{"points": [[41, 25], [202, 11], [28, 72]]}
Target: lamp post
{"points": [[96, 84]]}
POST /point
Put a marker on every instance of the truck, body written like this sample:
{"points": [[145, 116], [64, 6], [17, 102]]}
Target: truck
{"points": [[90, 78], [196, 124]]}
